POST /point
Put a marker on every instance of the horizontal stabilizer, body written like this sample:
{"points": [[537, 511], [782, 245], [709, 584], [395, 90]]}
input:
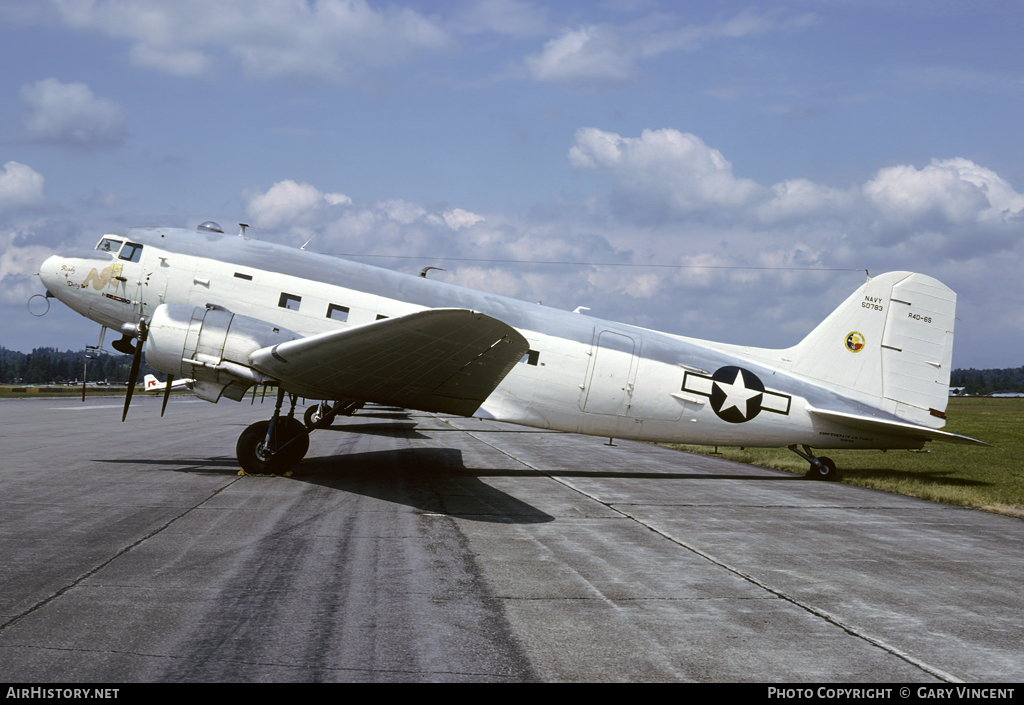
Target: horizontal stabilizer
{"points": [[444, 360], [892, 428]]}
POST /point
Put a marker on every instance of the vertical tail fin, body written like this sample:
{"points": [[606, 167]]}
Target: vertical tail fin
{"points": [[892, 339]]}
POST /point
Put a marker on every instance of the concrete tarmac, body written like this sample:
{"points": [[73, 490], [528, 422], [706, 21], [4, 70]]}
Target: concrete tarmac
{"points": [[414, 547]]}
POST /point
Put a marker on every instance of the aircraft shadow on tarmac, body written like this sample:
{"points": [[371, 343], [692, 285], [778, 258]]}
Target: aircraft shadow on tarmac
{"points": [[212, 466], [936, 477], [434, 480], [389, 430]]}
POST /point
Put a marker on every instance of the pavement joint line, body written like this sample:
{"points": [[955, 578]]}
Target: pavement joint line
{"points": [[828, 617], [275, 664], [77, 581]]}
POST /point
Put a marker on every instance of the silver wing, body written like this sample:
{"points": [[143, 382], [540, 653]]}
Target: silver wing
{"points": [[443, 360]]}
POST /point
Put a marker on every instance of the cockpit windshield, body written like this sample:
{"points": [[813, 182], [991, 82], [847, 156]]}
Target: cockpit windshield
{"points": [[132, 252], [109, 244]]}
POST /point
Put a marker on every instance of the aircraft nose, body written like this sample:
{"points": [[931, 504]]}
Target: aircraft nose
{"points": [[49, 273]]}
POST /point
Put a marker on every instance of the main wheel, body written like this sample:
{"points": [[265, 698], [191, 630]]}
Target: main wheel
{"points": [[258, 458], [314, 419], [826, 470]]}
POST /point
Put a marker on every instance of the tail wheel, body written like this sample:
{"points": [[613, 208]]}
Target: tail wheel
{"points": [[314, 417], [824, 469], [288, 445]]}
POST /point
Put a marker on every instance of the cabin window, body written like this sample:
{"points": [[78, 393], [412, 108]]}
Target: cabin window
{"points": [[109, 244], [289, 301], [531, 357], [337, 313], [131, 252], [246, 277], [380, 317]]}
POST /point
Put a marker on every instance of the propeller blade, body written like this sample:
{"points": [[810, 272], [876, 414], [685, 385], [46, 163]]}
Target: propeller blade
{"points": [[167, 393], [133, 375], [132, 378]]}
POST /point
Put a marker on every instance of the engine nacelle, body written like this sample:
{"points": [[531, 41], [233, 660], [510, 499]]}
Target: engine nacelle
{"points": [[212, 346]]}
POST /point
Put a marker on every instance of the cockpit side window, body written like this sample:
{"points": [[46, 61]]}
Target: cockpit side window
{"points": [[131, 252], [109, 244]]}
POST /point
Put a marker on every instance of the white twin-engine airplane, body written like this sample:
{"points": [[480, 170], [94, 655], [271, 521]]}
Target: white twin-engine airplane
{"points": [[233, 312], [152, 384]]}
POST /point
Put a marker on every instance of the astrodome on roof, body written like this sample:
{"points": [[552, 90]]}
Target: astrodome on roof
{"points": [[210, 226]]}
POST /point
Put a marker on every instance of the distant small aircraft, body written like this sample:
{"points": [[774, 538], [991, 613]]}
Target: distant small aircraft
{"points": [[152, 384], [234, 312]]}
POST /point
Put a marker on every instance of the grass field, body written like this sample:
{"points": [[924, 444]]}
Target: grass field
{"points": [[986, 478]]}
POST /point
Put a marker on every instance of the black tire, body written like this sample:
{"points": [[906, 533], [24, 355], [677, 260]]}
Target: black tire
{"points": [[313, 418], [249, 449], [825, 471], [253, 456]]}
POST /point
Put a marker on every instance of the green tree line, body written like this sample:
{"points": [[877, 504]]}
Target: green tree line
{"points": [[984, 382], [51, 366]]}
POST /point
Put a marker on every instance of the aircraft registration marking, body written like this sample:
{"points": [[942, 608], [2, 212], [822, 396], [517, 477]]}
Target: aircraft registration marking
{"points": [[872, 303]]}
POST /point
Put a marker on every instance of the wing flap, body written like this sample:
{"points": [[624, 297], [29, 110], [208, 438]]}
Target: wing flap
{"points": [[444, 360], [892, 428]]}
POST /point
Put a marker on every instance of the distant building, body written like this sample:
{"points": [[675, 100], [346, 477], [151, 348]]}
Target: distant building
{"points": [[958, 391]]}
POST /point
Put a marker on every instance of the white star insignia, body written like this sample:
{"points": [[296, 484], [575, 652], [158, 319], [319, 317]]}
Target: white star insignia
{"points": [[736, 394]]}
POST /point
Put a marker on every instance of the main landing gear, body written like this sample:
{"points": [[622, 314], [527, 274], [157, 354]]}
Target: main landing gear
{"points": [[272, 447], [821, 468]]}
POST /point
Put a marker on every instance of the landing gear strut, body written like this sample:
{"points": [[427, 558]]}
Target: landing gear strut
{"points": [[272, 447], [821, 468]]}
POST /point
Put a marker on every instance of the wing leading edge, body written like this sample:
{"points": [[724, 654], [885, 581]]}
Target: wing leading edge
{"points": [[443, 360]]}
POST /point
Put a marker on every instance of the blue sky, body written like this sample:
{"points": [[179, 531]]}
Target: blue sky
{"points": [[829, 136]]}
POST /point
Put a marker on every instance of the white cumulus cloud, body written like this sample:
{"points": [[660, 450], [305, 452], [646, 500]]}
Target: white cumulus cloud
{"points": [[801, 198], [688, 234], [270, 38], [20, 186], [290, 203], [667, 175], [588, 53], [605, 52], [956, 190], [401, 211], [457, 218], [70, 114], [669, 171]]}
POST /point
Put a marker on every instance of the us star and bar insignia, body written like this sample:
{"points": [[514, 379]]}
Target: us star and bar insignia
{"points": [[736, 394]]}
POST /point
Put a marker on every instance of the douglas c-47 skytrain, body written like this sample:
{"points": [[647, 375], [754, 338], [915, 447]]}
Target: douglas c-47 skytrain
{"points": [[233, 312]]}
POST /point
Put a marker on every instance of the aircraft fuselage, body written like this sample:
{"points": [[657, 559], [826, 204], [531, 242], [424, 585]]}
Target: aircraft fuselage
{"points": [[582, 374]]}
